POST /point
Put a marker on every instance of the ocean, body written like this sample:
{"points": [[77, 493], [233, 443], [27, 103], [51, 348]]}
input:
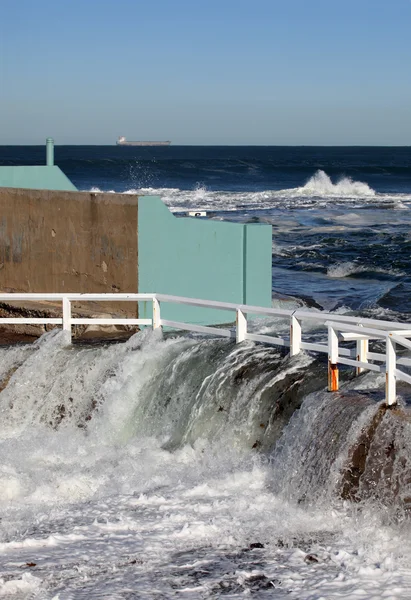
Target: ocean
{"points": [[177, 466]]}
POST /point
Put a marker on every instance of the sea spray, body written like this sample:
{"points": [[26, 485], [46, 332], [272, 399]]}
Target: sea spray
{"points": [[319, 191], [107, 509], [320, 184], [178, 389]]}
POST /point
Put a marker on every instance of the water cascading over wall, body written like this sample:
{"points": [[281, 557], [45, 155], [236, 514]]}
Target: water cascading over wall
{"points": [[184, 392]]}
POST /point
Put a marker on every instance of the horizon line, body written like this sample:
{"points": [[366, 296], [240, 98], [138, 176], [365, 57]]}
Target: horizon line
{"points": [[228, 145]]}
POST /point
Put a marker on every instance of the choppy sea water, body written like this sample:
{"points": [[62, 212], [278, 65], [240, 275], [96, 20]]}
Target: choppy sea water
{"points": [[172, 467]]}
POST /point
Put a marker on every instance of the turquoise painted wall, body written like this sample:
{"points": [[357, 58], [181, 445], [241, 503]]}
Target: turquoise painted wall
{"points": [[201, 258], [37, 177], [258, 265]]}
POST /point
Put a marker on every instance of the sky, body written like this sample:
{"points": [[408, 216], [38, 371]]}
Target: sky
{"points": [[269, 72]]}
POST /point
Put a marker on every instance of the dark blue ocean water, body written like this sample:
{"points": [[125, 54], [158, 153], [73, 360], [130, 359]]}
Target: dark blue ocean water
{"points": [[341, 216], [229, 168]]}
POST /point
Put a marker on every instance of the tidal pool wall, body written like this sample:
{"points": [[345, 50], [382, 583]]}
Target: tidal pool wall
{"points": [[84, 242]]}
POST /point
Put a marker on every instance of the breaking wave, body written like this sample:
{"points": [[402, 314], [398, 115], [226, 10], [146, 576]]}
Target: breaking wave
{"points": [[347, 269], [318, 191], [201, 198], [320, 184]]}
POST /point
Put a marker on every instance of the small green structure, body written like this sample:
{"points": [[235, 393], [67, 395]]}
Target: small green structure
{"points": [[37, 177]]}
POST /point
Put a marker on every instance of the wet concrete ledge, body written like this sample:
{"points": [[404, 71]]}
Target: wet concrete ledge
{"points": [[25, 333]]}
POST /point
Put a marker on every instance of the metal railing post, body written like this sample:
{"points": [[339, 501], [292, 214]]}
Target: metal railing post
{"points": [[332, 360], [362, 352], [67, 317], [241, 326], [390, 379], [295, 336], [156, 314]]}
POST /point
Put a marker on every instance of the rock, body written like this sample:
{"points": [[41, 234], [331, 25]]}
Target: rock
{"points": [[357, 458], [311, 558], [4, 382], [378, 465]]}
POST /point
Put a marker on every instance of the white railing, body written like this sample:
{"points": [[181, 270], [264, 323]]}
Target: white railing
{"points": [[340, 328]]}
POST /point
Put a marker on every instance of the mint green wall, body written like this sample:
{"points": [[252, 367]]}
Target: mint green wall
{"points": [[38, 177], [258, 265], [199, 258]]}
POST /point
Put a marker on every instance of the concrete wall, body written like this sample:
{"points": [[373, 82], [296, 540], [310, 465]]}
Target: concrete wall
{"points": [[37, 177], [206, 259], [68, 242], [57, 241]]}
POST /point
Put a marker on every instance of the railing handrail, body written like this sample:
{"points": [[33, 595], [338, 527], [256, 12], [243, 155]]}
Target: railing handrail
{"points": [[49, 297], [320, 316], [340, 328]]}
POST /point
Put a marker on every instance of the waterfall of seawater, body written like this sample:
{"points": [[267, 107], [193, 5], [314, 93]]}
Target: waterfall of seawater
{"points": [[177, 390], [184, 391], [165, 453]]}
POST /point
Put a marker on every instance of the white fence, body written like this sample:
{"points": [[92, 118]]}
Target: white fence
{"points": [[340, 329]]}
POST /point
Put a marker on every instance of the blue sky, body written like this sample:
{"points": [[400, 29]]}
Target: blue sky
{"points": [[206, 71]]}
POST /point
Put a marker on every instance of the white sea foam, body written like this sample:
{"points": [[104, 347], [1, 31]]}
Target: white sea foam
{"points": [[320, 184], [26, 586], [345, 269], [317, 192], [105, 513]]}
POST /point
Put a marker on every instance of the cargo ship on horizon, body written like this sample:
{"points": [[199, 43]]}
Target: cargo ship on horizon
{"points": [[122, 141]]}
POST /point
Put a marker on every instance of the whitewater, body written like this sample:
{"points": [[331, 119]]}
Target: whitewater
{"points": [[178, 466], [167, 466], [318, 191]]}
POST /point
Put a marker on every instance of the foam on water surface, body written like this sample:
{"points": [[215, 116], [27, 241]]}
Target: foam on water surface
{"points": [[347, 269], [106, 510], [320, 184], [319, 190]]}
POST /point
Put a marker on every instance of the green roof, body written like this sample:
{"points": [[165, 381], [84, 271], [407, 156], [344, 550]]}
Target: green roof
{"points": [[39, 177]]}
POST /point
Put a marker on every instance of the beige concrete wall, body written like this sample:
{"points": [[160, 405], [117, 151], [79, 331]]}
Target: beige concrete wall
{"points": [[53, 241]]}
